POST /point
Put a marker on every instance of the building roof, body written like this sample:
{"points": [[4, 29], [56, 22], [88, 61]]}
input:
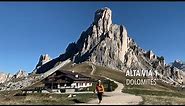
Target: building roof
{"points": [[72, 75]]}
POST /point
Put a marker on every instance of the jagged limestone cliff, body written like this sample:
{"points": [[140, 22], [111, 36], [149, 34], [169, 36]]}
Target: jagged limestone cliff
{"points": [[107, 44]]}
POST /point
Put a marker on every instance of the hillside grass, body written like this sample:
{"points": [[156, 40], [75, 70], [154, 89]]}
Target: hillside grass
{"points": [[116, 75], [162, 100], [10, 97], [43, 99], [161, 93], [157, 97], [137, 91]]}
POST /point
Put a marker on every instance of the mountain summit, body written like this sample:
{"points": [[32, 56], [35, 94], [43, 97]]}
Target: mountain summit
{"points": [[103, 43], [179, 64], [107, 44]]}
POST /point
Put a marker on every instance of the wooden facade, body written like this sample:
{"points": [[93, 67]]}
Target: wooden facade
{"points": [[65, 79], [61, 81]]}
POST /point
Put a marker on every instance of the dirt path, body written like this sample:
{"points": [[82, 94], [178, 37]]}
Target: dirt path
{"points": [[93, 69], [116, 97]]}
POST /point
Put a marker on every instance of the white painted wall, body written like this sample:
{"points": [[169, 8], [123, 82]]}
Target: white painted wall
{"points": [[77, 85]]}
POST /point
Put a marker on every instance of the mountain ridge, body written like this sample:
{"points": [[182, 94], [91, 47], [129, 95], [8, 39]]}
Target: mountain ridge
{"points": [[107, 44]]}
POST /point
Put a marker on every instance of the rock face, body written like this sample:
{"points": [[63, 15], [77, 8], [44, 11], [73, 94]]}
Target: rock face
{"points": [[102, 43], [20, 74], [4, 77], [15, 85], [107, 44], [178, 64], [17, 81], [43, 60]]}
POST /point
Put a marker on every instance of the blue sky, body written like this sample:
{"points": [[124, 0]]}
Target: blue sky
{"points": [[29, 29]]}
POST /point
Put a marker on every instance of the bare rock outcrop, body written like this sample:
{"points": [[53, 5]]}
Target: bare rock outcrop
{"points": [[107, 44], [103, 43], [179, 64], [20, 74], [5, 77], [43, 60]]}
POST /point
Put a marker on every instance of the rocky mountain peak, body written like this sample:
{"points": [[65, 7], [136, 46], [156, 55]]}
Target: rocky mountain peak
{"points": [[4, 77], [178, 61], [43, 59], [103, 17], [103, 42], [178, 64], [107, 44], [21, 74]]}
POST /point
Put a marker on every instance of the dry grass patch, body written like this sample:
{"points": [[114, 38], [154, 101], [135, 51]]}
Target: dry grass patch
{"points": [[162, 100]]}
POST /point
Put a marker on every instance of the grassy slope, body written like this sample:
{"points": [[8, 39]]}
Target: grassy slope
{"points": [[86, 69], [119, 76], [45, 99], [9, 98], [160, 93]]}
